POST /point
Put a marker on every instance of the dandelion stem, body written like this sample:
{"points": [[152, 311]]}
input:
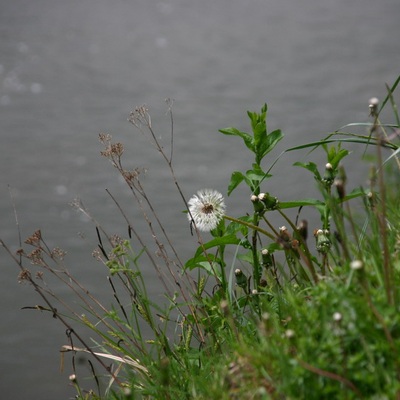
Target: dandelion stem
{"points": [[251, 226]]}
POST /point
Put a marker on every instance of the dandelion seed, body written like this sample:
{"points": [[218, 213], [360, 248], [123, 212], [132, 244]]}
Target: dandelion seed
{"points": [[206, 209]]}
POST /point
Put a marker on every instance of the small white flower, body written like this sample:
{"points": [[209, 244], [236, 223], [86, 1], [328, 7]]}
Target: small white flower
{"points": [[206, 209], [290, 333], [356, 264], [337, 316]]}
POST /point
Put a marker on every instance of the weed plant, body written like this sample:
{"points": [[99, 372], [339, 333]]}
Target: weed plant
{"points": [[299, 313]]}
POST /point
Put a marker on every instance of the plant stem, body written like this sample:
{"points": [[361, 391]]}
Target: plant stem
{"points": [[251, 226]]}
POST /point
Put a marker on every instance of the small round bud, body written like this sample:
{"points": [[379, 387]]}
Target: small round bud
{"points": [[337, 317], [373, 105], [356, 265], [265, 316], [241, 279], [290, 333], [262, 196], [254, 198], [224, 306], [374, 101]]}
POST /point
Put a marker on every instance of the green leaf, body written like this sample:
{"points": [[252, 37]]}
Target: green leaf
{"points": [[338, 157], [358, 192], [236, 178], [199, 261], [248, 140], [219, 241], [301, 203], [311, 167], [358, 139], [256, 174], [272, 140]]}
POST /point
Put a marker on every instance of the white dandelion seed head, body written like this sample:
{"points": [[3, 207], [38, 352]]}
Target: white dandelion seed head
{"points": [[206, 208]]}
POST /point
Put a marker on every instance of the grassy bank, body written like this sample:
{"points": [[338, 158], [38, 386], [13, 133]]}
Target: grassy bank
{"points": [[298, 311]]}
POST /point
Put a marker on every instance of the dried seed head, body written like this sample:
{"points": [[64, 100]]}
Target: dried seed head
{"points": [[24, 275], [35, 238], [36, 256], [303, 229], [339, 183]]}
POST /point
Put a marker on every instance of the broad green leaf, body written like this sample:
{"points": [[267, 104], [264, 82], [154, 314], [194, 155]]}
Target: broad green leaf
{"points": [[272, 140], [247, 257], [219, 241], [256, 174], [236, 178], [338, 157], [358, 192], [199, 260], [211, 267], [311, 167], [248, 140]]}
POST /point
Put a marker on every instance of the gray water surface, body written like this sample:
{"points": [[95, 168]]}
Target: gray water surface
{"points": [[72, 69]]}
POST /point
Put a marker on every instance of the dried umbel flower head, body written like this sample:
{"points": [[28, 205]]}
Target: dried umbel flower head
{"points": [[24, 275], [35, 238], [206, 209], [140, 116]]}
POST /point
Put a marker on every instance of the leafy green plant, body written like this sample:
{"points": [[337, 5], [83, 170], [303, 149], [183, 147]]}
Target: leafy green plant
{"points": [[286, 318]]}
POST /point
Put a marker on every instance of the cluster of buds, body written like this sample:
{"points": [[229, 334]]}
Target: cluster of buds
{"points": [[264, 202], [323, 240]]}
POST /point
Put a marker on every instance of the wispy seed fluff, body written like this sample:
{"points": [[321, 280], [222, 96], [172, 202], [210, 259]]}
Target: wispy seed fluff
{"points": [[206, 208]]}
